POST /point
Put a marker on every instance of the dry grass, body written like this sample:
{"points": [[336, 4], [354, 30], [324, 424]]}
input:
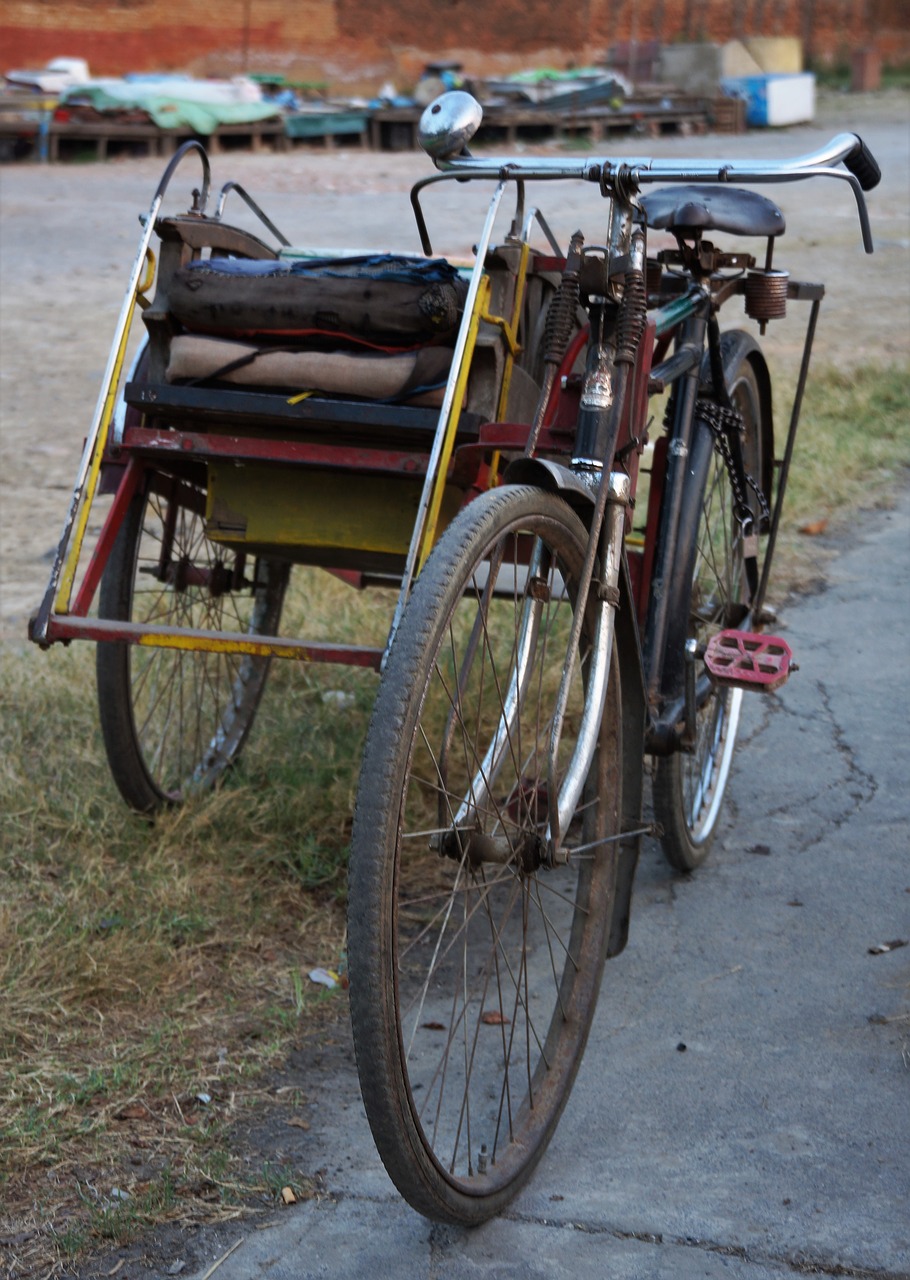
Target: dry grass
{"points": [[145, 966], [154, 973]]}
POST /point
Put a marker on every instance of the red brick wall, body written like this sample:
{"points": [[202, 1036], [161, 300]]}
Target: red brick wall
{"points": [[361, 42]]}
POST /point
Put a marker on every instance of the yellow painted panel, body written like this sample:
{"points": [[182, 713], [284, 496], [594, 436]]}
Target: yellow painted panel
{"points": [[296, 508]]}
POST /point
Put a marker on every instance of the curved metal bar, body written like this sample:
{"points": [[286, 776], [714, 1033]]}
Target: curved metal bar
{"points": [[66, 557], [433, 461], [850, 178], [245, 196], [646, 170], [534, 215], [651, 168], [418, 210], [177, 159]]}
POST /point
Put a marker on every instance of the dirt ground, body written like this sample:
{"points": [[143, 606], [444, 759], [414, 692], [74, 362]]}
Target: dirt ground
{"points": [[68, 236]]}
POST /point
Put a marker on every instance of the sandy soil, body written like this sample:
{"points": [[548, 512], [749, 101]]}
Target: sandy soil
{"points": [[68, 235]]}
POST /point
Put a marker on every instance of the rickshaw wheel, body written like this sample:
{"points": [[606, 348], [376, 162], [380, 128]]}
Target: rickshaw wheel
{"points": [[173, 720]]}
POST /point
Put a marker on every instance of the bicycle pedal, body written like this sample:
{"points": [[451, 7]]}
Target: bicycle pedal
{"points": [[749, 660]]}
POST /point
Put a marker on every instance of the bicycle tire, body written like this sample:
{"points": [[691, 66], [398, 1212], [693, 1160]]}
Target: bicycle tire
{"points": [[461, 1085], [174, 720], [707, 595]]}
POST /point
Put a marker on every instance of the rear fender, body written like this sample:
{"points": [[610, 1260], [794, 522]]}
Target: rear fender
{"points": [[633, 746], [555, 478]]}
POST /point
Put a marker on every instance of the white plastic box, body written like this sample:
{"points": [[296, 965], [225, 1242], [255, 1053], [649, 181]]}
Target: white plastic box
{"points": [[775, 99]]}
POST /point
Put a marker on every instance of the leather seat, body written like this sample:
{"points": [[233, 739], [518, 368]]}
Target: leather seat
{"points": [[712, 208]]}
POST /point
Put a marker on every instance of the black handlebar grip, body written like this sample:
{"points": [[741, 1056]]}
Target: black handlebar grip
{"points": [[864, 166]]}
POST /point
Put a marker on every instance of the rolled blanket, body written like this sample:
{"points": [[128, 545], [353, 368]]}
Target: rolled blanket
{"points": [[371, 376], [384, 298]]}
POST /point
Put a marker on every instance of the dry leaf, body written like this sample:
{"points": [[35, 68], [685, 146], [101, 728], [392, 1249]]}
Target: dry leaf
{"points": [[493, 1018], [298, 1122], [814, 527]]}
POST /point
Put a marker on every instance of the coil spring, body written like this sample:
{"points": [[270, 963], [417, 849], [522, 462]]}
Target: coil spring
{"points": [[766, 295], [632, 317], [564, 307]]}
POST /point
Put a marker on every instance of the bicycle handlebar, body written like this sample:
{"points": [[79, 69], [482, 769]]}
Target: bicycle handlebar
{"points": [[845, 148], [449, 123]]}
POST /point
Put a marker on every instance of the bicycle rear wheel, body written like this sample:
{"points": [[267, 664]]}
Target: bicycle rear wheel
{"points": [[709, 594], [474, 968], [173, 720]]}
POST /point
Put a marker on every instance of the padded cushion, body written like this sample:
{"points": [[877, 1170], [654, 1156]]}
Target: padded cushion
{"points": [[385, 299], [404, 375], [713, 208]]}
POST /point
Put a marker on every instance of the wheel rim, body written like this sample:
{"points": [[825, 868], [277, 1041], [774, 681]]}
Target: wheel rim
{"points": [[191, 709], [715, 604], [497, 959]]}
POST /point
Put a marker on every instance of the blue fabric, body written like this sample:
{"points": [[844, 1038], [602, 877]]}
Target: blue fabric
{"points": [[241, 266], [382, 266]]}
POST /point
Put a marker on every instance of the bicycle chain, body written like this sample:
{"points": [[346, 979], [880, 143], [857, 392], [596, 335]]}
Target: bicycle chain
{"points": [[721, 420]]}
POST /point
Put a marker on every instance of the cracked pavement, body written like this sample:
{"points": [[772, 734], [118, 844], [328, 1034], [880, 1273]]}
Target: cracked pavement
{"points": [[743, 1109]]}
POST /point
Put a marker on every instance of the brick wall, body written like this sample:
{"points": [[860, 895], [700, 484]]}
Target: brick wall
{"points": [[359, 43]]}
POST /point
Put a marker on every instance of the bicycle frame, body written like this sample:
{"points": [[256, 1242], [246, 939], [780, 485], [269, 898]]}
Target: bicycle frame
{"points": [[611, 381]]}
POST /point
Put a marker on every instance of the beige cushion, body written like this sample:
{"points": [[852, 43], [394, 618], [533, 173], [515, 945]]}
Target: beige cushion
{"points": [[373, 376]]}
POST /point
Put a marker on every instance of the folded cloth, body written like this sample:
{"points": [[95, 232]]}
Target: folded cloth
{"points": [[369, 375]]}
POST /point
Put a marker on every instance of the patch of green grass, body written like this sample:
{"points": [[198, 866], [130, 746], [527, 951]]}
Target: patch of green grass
{"points": [[852, 453], [120, 1215], [854, 439]]}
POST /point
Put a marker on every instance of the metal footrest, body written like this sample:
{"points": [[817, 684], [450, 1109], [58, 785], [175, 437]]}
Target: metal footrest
{"points": [[748, 660]]}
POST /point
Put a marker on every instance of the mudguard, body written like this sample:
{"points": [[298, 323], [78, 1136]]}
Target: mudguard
{"points": [[555, 478], [633, 739]]}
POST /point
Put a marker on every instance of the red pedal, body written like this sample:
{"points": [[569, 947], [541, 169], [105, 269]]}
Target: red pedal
{"points": [[747, 660]]}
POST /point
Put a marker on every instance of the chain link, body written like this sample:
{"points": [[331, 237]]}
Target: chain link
{"points": [[721, 421]]}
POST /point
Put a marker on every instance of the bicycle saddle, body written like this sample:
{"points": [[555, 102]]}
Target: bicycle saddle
{"points": [[712, 208]]}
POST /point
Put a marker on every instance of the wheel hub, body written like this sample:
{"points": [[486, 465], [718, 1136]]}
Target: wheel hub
{"points": [[527, 852]]}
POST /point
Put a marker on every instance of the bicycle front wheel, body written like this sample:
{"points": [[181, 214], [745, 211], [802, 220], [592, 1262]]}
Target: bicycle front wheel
{"points": [[173, 720], [474, 967], [689, 787]]}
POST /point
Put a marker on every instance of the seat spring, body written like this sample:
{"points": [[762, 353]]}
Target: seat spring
{"points": [[766, 295]]}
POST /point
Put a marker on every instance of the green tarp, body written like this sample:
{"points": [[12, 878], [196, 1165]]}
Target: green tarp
{"points": [[171, 111]]}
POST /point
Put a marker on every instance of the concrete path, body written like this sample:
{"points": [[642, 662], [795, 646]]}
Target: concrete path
{"points": [[743, 1109]]}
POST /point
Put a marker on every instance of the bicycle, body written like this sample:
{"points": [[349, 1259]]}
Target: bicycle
{"points": [[547, 648]]}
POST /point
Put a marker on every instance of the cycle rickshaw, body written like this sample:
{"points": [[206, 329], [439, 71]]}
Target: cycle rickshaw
{"points": [[475, 437]]}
